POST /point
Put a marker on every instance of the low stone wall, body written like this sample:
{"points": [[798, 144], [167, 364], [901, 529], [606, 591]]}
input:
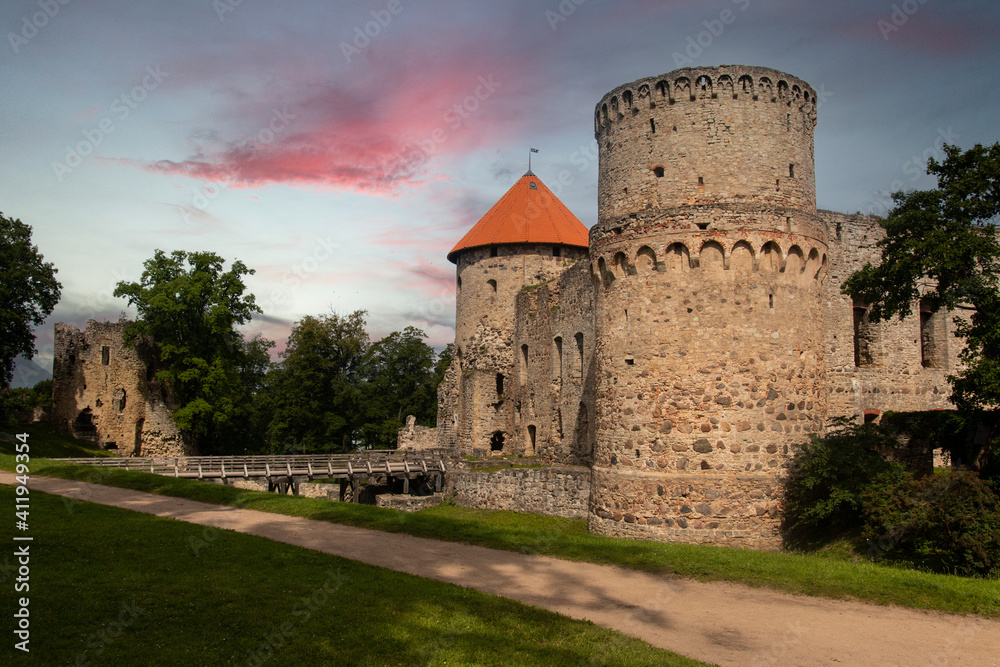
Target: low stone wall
{"points": [[311, 490], [416, 437], [556, 491], [405, 503]]}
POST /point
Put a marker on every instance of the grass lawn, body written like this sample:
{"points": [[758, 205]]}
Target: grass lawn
{"points": [[565, 538], [114, 587]]}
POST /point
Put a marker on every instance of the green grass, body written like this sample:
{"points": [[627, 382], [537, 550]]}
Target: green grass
{"points": [[47, 442], [833, 575], [114, 587]]}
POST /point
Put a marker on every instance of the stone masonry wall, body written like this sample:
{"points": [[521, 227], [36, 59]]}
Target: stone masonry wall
{"points": [[416, 437], [557, 491], [477, 393], [900, 369], [554, 378], [102, 393], [709, 257]]}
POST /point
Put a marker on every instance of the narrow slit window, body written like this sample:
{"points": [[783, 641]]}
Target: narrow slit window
{"points": [[557, 364], [579, 355], [652, 126], [658, 172], [864, 337]]}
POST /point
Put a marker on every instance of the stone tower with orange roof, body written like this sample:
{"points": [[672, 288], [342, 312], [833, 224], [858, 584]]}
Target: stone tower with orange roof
{"points": [[528, 237]]}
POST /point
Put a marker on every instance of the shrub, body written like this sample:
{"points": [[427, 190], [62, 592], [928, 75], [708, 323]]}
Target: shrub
{"points": [[947, 522], [829, 478]]}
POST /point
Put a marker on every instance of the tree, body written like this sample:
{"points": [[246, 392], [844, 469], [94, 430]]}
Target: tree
{"points": [[399, 374], [28, 293], [189, 308], [941, 247], [313, 394]]}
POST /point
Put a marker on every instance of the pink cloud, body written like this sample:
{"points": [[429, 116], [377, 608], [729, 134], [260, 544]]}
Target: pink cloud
{"points": [[373, 133]]}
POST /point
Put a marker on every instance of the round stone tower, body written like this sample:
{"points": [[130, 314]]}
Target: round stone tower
{"points": [[707, 260], [528, 237]]}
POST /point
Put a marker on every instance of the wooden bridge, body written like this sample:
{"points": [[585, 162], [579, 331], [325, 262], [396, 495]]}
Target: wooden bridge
{"points": [[284, 473]]}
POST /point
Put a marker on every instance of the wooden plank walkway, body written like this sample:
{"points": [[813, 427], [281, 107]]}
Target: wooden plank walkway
{"points": [[284, 472]]}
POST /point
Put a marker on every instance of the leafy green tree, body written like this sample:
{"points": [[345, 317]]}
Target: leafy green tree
{"points": [[28, 293], [400, 381], [313, 394], [942, 246], [189, 309]]}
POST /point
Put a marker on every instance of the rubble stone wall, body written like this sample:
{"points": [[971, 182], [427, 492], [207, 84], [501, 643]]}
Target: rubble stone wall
{"points": [[103, 392], [556, 491]]}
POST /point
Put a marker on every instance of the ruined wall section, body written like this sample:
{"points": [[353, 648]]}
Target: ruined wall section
{"points": [[104, 393], [415, 437], [556, 491], [554, 375], [488, 281], [709, 257], [877, 367]]}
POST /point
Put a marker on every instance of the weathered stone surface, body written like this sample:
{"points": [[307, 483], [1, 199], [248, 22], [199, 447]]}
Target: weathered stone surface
{"points": [[103, 392], [708, 313], [557, 491], [416, 437]]}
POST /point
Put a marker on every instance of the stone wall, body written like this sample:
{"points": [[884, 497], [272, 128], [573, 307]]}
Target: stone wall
{"points": [[893, 365], [416, 437], [475, 401], [553, 387], [104, 392], [708, 255], [704, 336], [556, 491]]}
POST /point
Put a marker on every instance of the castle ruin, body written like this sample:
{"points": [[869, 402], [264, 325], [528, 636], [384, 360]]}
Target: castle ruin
{"points": [[699, 335], [105, 393]]}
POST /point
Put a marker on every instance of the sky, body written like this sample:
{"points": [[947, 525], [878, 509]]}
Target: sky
{"points": [[341, 149]]}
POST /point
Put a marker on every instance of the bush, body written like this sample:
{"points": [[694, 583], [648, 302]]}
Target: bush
{"points": [[15, 406], [829, 479], [947, 522], [42, 394]]}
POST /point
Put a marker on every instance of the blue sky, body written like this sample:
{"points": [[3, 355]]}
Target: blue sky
{"points": [[341, 149]]}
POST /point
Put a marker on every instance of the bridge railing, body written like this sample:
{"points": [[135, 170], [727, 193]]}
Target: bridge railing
{"points": [[310, 466]]}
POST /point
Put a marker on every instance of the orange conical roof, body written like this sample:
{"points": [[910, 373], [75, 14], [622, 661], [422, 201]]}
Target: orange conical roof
{"points": [[528, 213]]}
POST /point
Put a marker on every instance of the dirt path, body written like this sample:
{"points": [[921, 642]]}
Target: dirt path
{"points": [[728, 624]]}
